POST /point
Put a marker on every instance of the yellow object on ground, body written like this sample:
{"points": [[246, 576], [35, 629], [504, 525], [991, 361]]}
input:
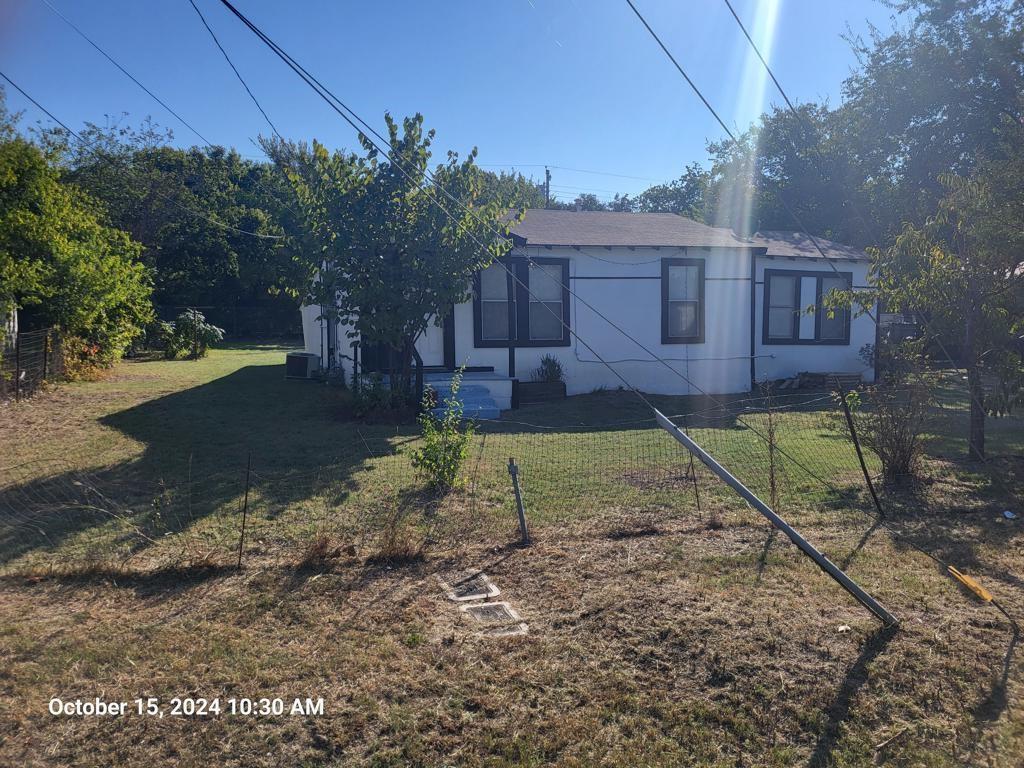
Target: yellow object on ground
{"points": [[971, 584]]}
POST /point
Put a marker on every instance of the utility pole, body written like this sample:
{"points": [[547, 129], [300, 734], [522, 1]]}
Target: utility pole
{"points": [[547, 187]]}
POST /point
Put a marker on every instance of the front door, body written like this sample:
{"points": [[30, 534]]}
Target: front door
{"points": [[436, 344]]}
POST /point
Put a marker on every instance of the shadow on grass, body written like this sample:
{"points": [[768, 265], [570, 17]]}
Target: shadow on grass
{"points": [[161, 582], [197, 442], [839, 710]]}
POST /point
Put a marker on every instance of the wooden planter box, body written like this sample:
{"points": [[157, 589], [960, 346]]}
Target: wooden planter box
{"points": [[529, 392]]}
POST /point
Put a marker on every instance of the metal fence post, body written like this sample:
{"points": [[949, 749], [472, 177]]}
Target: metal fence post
{"points": [[245, 509], [513, 470], [17, 367], [805, 546], [46, 351], [860, 454]]}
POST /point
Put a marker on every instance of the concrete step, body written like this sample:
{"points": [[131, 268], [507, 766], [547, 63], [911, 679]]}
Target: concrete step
{"points": [[444, 389], [479, 410]]}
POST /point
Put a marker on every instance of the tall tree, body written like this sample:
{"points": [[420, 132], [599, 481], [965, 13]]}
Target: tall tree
{"points": [[393, 251], [58, 256], [965, 269]]}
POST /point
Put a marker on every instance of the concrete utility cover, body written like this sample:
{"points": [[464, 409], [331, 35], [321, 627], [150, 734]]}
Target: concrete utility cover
{"points": [[477, 586], [521, 628], [492, 613]]}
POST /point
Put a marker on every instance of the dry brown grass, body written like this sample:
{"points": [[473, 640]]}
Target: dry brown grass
{"points": [[653, 641]]}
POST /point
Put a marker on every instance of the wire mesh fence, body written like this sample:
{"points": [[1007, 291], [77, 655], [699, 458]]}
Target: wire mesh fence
{"points": [[28, 360], [791, 451], [794, 451]]}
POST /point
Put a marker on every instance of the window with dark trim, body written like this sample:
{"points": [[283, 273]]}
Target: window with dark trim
{"points": [[783, 309], [536, 315], [682, 301]]}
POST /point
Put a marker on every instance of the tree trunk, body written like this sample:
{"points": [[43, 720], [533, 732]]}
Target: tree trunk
{"points": [[975, 389], [976, 438], [407, 367]]}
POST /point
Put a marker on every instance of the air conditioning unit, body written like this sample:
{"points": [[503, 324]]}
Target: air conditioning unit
{"points": [[301, 365]]}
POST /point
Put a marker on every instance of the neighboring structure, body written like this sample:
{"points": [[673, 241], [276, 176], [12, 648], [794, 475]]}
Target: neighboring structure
{"points": [[724, 312]]}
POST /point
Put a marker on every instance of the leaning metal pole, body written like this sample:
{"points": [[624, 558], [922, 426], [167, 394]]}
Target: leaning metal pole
{"points": [[823, 562]]}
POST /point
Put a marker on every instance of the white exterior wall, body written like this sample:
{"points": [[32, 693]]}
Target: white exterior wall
{"points": [[625, 285], [628, 291], [783, 361]]}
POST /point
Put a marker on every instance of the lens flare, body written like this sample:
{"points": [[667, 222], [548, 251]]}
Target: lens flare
{"points": [[736, 206]]}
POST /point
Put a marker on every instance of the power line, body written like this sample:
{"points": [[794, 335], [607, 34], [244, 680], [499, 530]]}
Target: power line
{"points": [[235, 70], [809, 132], [103, 156], [344, 111], [127, 74], [799, 224], [156, 98]]}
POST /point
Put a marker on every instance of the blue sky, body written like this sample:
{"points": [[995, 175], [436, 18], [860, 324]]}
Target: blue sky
{"points": [[574, 84]]}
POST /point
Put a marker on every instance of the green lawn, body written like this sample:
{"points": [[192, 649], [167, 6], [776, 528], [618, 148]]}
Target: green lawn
{"points": [[660, 633]]}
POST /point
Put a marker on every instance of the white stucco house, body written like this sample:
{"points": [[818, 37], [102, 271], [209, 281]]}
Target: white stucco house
{"points": [[724, 311]]}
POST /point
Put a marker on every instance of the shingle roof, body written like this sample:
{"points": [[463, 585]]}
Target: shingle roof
{"points": [[613, 228], [781, 243]]}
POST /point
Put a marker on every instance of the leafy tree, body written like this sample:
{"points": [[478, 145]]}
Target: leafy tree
{"points": [[929, 96], [150, 189], [965, 268], [392, 249], [58, 256], [685, 195]]}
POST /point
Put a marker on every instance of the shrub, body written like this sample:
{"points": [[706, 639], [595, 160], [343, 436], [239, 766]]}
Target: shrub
{"points": [[190, 335], [550, 370], [445, 440], [374, 396], [82, 360], [889, 421]]}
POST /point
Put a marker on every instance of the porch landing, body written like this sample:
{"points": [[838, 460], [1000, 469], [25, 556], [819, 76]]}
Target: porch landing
{"points": [[484, 395]]}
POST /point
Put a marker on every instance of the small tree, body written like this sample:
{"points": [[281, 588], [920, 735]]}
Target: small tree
{"points": [[445, 440], [964, 270], [190, 335], [393, 249]]}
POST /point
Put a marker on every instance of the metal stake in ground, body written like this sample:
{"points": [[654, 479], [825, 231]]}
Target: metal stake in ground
{"points": [[245, 508], [860, 454], [806, 547], [513, 470]]}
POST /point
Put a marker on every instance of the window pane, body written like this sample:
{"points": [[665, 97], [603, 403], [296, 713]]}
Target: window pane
{"points": [[828, 283], [781, 322], [494, 283], [546, 320], [782, 292], [833, 327], [494, 319], [546, 282], [682, 319], [683, 283]]}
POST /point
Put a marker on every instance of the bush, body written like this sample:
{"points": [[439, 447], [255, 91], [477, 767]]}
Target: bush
{"points": [[889, 421], [373, 396], [550, 370], [890, 416], [190, 335], [82, 360], [445, 440]]}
